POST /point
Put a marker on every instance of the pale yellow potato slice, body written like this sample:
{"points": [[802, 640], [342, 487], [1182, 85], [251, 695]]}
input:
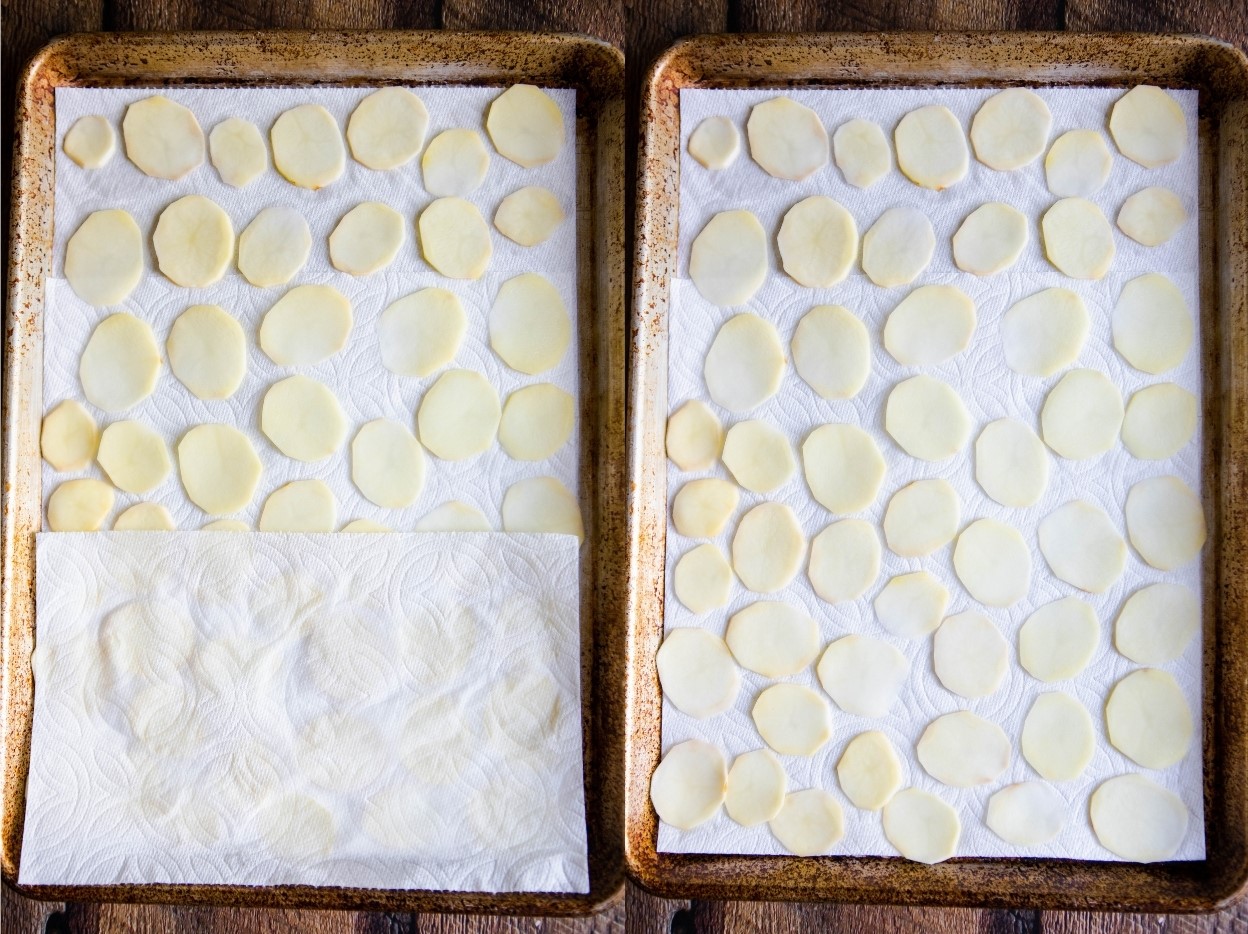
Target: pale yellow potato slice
{"points": [[728, 258], [1077, 238], [225, 525], [1152, 216], [1082, 415], [869, 771], [1165, 522], [387, 464], [758, 455], [810, 822], [1082, 547], [308, 324], [963, 750], [163, 138], [911, 605], [715, 143], [697, 673], [862, 675], [1026, 814], [927, 418], [238, 151], [529, 325], [1151, 324], [120, 363], [367, 239], [861, 151], [993, 562], [932, 324], [745, 363], [990, 239], [1160, 421], [818, 242], [702, 579], [969, 655], [90, 142], [207, 351], [1137, 819], [307, 146], [755, 789], [844, 560], [921, 826], [772, 638], [694, 436], [366, 525], [898, 247], [1058, 739], [1147, 719], [104, 258], [145, 517], [793, 720], [387, 128], [274, 246], [454, 516], [542, 504], [459, 415], [843, 467], [529, 215], [1078, 164], [689, 785], [1011, 465], [193, 242], [931, 147], [702, 508], [421, 332], [133, 456], [1010, 129], [300, 506], [454, 163], [526, 126], [767, 547], [303, 419], [1058, 640], [922, 517], [787, 139], [1149, 126], [536, 422], [69, 438], [79, 506], [1157, 623], [832, 351], [219, 468], [1044, 332]]}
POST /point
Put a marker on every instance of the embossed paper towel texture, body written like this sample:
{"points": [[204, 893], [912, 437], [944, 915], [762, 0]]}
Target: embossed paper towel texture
{"points": [[265, 709], [366, 389], [990, 391]]}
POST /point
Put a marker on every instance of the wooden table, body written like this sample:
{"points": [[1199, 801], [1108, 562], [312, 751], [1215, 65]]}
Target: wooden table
{"points": [[642, 29]]}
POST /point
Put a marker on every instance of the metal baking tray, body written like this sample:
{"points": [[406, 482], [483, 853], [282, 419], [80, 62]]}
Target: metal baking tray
{"points": [[1220, 72], [251, 59]]}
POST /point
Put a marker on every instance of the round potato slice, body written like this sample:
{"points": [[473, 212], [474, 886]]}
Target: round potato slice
{"points": [[911, 605], [526, 126], [300, 506], [927, 418], [818, 242], [219, 468], [1058, 640], [1058, 740], [993, 562], [134, 456], [1147, 719], [1160, 421], [922, 517], [529, 325], [715, 143], [844, 560], [366, 239], [104, 258], [697, 672], [421, 332], [969, 655], [1137, 819], [163, 138], [767, 548], [921, 826], [793, 720], [861, 151], [307, 146], [90, 142], [1082, 415], [120, 363], [1165, 522], [931, 147], [1157, 623], [303, 419], [194, 242], [869, 771], [226, 525], [694, 436], [689, 785], [863, 675], [1010, 129], [459, 415], [542, 504], [932, 324], [1078, 164], [1011, 465], [787, 139], [536, 422], [1151, 216], [990, 239], [454, 239], [701, 508], [832, 352], [79, 506], [238, 152], [1026, 814], [773, 639], [702, 579], [728, 258], [758, 456], [455, 163], [810, 822], [529, 215], [308, 324], [145, 517], [387, 464], [843, 467], [1148, 126], [963, 750], [1077, 238], [898, 247], [366, 525], [1082, 547], [387, 128], [1151, 324], [274, 246], [745, 364], [454, 516], [1044, 332], [69, 438], [756, 784]]}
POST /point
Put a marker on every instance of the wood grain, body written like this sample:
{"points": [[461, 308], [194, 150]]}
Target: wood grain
{"points": [[271, 14], [1223, 19], [870, 15], [604, 20]]}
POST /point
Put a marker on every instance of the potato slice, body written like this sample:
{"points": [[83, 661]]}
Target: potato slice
{"points": [[931, 147], [1157, 623], [387, 464], [832, 352], [367, 238], [529, 215], [911, 605], [810, 822], [69, 438], [1151, 324], [702, 508], [529, 325], [536, 422], [104, 258], [767, 548], [969, 655], [1011, 465], [307, 146], [454, 163], [526, 126], [728, 258], [844, 560], [1026, 814], [758, 456], [1077, 238], [993, 563], [869, 771], [715, 143], [927, 418], [793, 720], [697, 673], [303, 419], [1137, 819], [226, 525], [1148, 126], [238, 152], [861, 151], [133, 456], [308, 324], [755, 791], [163, 138], [120, 363], [1010, 129], [921, 826], [194, 242], [79, 506], [963, 750], [542, 504], [694, 436], [818, 242], [454, 516], [702, 579], [300, 506], [1160, 421], [1078, 164], [787, 139], [990, 239], [1058, 640], [1165, 522], [145, 517], [745, 364], [274, 246], [1044, 332], [421, 332], [459, 415], [90, 142], [862, 675], [1082, 547], [689, 785], [207, 352], [365, 525], [1082, 415], [1152, 216], [387, 128], [772, 638], [843, 467], [921, 518], [898, 247], [1058, 739], [932, 324], [1147, 719], [219, 468]]}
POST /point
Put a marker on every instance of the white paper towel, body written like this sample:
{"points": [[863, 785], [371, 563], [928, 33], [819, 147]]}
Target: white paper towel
{"points": [[990, 390], [192, 756]]}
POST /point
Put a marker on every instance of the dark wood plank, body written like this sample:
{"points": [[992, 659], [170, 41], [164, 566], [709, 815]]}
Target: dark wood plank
{"points": [[785, 918], [603, 19], [1222, 19], [23, 915], [871, 15], [610, 921], [272, 14], [1233, 919]]}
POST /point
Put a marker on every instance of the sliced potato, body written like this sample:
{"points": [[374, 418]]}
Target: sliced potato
{"points": [[931, 147], [90, 142], [193, 242], [104, 258], [1078, 164], [818, 242], [526, 126], [1152, 216], [1010, 129], [861, 151], [529, 215], [1077, 238], [990, 239], [728, 258], [454, 239], [163, 138], [715, 143], [238, 152], [307, 146], [1149, 126], [787, 139], [898, 247], [387, 128], [454, 163]]}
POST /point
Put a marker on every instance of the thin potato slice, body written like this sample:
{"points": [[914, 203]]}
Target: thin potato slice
{"points": [[226, 525], [365, 525], [921, 826], [921, 518], [793, 720], [90, 142], [307, 146], [104, 258], [455, 163], [993, 563], [69, 438], [1148, 720], [1044, 332], [219, 468], [526, 126], [145, 517], [542, 504], [1010, 129], [1157, 623], [1152, 216], [927, 418], [1078, 164], [745, 364], [1137, 819], [193, 242], [120, 363], [421, 332], [697, 673], [1151, 324], [694, 436], [529, 215], [459, 415], [932, 324], [1149, 126], [715, 143], [832, 351], [844, 560], [163, 138], [756, 785], [1165, 522], [728, 258], [861, 151], [1082, 547], [308, 324], [1077, 238], [818, 242], [1011, 465], [767, 548], [529, 325], [536, 422], [843, 467], [931, 147], [810, 822], [387, 128], [300, 506], [274, 246], [969, 655], [238, 152], [863, 675], [1082, 415], [869, 771], [911, 605], [1058, 640], [133, 456], [689, 785], [1160, 421], [79, 506], [303, 419], [454, 516], [1026, 814], [758, 456], [702, 579], [772, 638], [366, 239], [1058, 739], [387, 464], [702, 508], [990, 239], [963, 750], [898, 247], [787, 139]]}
